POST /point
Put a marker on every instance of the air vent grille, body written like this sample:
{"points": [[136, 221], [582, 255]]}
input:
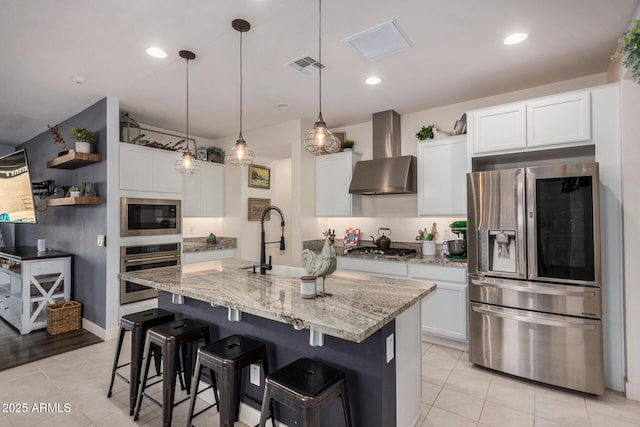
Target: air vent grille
{"points": [[306, 64], [380, 41]]}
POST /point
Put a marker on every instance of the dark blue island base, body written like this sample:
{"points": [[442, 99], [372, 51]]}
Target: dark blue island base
{"points": [[371, 381]]}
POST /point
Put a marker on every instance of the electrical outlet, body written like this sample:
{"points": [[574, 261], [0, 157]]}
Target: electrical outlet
{"points": [[102, 240], [255, 375], [390, 348]]}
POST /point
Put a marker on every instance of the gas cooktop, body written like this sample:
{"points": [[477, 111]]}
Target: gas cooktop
{"points": [[391, 252]]}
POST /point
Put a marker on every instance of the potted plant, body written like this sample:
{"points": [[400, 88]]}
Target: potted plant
{"points": [[426, 132], [74, 192], [348, 145], [630, 50], [83, 138]]}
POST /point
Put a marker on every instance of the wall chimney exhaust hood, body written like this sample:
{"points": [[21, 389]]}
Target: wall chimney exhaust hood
{"points": [[388, 172]]}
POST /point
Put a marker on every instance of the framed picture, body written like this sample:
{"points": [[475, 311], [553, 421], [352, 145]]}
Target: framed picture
{"points": [[256, 207], [342, 136], [259, 177], [351, 236]]}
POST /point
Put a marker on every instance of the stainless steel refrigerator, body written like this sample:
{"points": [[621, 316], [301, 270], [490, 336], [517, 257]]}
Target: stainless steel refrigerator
{"points": [[534, 274]]}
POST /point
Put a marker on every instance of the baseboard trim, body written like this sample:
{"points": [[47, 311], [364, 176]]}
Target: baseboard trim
{"points": [[458, 345], [632, 391], [94, 329]]}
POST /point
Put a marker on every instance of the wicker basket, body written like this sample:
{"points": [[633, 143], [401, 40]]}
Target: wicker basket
{"points": [[63, 317]]}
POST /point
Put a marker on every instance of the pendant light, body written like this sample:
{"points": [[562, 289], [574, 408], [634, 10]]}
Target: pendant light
{"points": [[320, 140], [241, 154], [187, 163]]}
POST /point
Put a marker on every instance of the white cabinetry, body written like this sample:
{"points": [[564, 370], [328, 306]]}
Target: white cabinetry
{"points": [[26, 291], [499, 129], [442, 184], [553, 120], [444, 314], [333, 177], [203, 256], [149, 169], [373, 266], [204, 192]]}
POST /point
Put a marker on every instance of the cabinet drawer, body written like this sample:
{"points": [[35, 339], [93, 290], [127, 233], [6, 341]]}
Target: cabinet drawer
{"points": [[437, 272], [370, 266]]}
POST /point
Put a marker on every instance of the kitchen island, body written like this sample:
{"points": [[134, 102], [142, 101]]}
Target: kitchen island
{"points": [[369, 328]]}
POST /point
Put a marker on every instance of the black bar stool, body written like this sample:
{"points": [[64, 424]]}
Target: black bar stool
{"points": [[172, 338], [227, 357], [305, 386], [138, 324]]}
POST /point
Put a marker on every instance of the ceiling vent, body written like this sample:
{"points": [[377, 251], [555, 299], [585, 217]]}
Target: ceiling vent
{"points": [[380, 41], [306, 64]]}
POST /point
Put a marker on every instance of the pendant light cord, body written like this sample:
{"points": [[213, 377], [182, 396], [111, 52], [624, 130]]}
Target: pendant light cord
{"points": [[188, 150], [320, 55], [241, 85]]}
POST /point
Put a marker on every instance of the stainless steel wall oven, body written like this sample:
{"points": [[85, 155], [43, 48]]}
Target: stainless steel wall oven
{"points": [[143, 257], [150, 217], [534, 274]]}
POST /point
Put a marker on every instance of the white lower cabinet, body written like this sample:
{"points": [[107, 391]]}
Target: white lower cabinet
{"points": [[204, 192], [444, 314]]}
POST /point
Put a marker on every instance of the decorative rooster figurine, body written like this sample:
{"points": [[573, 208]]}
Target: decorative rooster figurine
{"points": [[324, 263]]}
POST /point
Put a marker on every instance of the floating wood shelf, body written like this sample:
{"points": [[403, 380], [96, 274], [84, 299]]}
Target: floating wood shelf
{"points": [[72, 201], [74, 160]]}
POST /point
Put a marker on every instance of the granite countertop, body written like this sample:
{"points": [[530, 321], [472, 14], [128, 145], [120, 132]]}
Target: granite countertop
{"points": [[360, 304], [199, 244]]}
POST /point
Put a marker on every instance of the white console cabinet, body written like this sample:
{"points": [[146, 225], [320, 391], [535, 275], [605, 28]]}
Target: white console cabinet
{"points": [[31, 285]]}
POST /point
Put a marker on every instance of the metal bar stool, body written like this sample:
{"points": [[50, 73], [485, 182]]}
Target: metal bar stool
{"points": [[138, 324], [172, 338], [227, 357], [305, 386]]}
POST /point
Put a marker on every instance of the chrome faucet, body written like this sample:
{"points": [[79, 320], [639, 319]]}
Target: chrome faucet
{"points": [[263, 261]]}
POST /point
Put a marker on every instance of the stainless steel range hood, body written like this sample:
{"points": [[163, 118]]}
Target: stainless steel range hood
{"points": [[388, 172]]}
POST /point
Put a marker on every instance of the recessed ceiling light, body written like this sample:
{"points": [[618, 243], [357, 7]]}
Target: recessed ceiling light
{"points": [[373, 80], [79, 79], [282, 106], [156, 52], [515, 38]]}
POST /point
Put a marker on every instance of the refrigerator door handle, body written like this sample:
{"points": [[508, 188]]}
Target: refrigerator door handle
{"points": [[498, 312], [534, 289]]}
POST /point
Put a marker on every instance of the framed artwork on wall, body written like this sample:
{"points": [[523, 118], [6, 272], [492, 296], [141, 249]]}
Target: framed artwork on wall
{"points": [[259, 177], [256, 207]]}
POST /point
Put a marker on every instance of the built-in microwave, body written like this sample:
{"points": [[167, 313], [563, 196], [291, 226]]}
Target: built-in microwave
{"points": [[150, 217]]}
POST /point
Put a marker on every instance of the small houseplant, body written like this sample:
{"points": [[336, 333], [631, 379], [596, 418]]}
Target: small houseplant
{"points": [[83, 138], [426, 132], [348, 144], [630, 50], [74, 192]]}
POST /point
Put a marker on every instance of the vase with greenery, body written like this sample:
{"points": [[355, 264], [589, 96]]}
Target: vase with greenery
{"points": [[348, 145], [426, 132], [83, 138], [630, 50]]}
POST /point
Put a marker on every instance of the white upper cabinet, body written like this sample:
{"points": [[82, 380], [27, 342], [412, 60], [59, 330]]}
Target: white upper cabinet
{"points": [[559, 120], [499, 129], [549, 121], [333, 177], [204, 191], [442, 183], [149, 169]]}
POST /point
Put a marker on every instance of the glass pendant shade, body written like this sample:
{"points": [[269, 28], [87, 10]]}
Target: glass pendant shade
{"points": [[187, 163], [320, 140], [241, 154]]}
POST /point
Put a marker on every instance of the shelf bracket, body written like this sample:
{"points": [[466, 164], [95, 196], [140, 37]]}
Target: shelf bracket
{"points": [[177, 299], [234, 315], [316, 338]]}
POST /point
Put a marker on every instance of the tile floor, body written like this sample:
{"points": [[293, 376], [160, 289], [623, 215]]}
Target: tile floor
{"points": [[455, 394]]}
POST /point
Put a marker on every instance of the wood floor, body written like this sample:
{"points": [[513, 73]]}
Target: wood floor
{"points": [[16, 349]]}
